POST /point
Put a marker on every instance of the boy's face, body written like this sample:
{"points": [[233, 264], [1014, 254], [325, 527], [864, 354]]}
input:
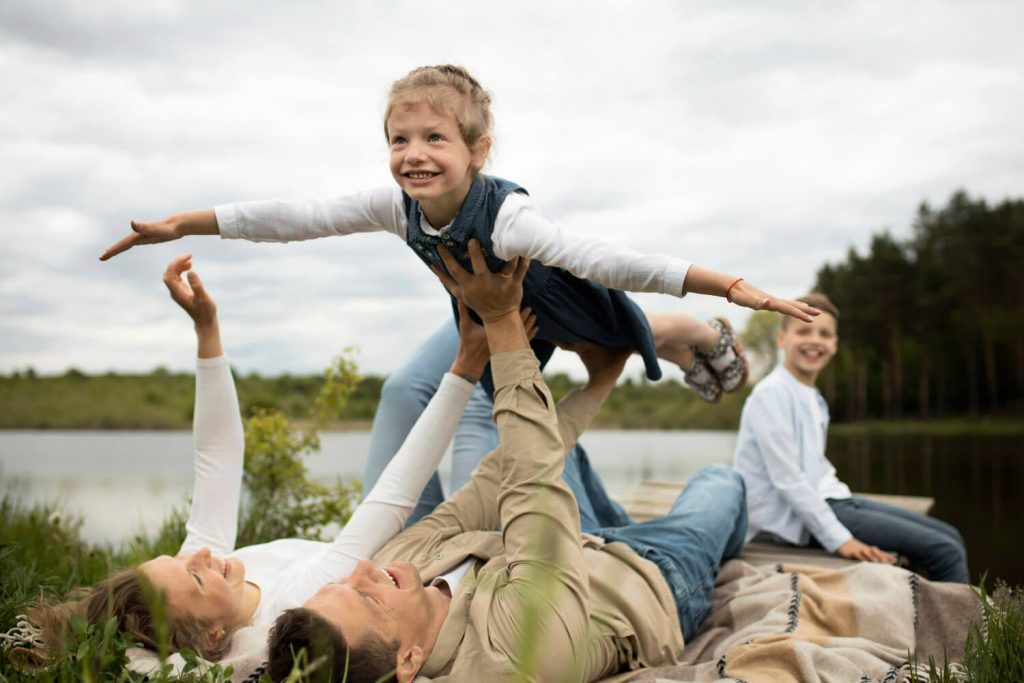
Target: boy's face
{"points": [[808, 347]]}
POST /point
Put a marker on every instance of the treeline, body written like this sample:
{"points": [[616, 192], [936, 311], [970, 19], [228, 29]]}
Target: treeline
{"points": [[164, 400], [934, 325]]}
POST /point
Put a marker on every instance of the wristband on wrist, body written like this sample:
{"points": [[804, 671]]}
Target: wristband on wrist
{"points": [[729, 288]]}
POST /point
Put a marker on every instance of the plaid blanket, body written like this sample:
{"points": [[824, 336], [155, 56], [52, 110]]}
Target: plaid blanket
{"points": [[802, 623]]}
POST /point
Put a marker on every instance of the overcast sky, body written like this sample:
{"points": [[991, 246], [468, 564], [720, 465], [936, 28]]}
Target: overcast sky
{"points": [[761, 139]]}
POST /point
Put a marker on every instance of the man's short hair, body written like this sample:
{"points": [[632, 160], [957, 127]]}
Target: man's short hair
{"points": [[301, 629], [819, 301]]}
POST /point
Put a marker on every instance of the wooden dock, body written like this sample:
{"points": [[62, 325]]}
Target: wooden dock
{"points": [[654, 498]]}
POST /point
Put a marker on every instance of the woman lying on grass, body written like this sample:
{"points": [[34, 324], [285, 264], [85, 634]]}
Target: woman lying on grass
{"points": [[210, 589]]}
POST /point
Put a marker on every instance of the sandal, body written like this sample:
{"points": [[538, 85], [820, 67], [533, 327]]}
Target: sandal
{"points": [[703, 379], [726, 358]]}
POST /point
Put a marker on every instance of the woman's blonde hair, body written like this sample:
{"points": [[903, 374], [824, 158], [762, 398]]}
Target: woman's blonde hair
{"points": [[446, 88], [131, 598]]}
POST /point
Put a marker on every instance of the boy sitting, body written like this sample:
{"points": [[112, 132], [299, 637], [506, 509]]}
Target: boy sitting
{"points": [[793, 494]]}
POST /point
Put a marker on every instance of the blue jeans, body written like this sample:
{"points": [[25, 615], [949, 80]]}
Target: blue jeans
{"points": [[925, 541], [404, 396], [706, 526]]}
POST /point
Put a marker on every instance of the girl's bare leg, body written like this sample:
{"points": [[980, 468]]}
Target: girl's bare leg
{"points": [[675, 333]]}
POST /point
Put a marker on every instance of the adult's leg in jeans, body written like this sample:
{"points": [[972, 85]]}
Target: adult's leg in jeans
{"points": [[478, 436], [706, 526], [597, 509], [405, 395], [925, 541]]}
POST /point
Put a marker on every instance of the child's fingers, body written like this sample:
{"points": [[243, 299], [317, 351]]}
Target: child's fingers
{"points": [[120, 246]]}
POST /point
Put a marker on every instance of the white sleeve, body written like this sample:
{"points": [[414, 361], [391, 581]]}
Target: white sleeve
{"points": [[287, 221], [219, 449], [773, 431], [383, 512], [520, 230]]}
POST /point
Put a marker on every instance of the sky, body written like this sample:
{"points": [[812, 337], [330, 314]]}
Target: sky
{"points": [[759, 139]]}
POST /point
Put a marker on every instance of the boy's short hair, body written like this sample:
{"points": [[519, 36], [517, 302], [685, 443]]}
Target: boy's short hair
{"points": [[819, 301]]}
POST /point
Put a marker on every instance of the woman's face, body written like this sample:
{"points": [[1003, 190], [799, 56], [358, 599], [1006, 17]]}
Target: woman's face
{"points": [[200, 585]]}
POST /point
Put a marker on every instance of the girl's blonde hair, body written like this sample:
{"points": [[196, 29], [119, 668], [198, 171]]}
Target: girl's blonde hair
{"points": [[446, 88], [131, 598]]}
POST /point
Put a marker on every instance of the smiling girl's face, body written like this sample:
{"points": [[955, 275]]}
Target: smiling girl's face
{"points": [[430, 161], [202, 586]]}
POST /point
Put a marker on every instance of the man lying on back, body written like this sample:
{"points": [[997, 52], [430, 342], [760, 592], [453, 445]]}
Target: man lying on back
{"points": [[449, 598]]}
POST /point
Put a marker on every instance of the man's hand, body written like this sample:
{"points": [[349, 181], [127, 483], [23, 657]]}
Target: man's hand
{"points": [[855, 550], [474, 353], [491, 295], [189, 223]]}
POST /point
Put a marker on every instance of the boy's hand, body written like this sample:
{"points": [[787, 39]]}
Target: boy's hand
{"points": [[855, 550], [492, 295]]}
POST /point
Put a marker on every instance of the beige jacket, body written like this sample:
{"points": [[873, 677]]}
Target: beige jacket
{"points": [[543, 602]]}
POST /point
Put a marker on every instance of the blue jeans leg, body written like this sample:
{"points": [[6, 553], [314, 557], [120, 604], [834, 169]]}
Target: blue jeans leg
{"points": [[405, 395], [706, 526], [925, 541], [597, 509]]}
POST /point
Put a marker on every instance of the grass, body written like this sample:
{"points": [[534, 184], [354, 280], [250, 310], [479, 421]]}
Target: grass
{"points": [[994, 651], [42, 556]]}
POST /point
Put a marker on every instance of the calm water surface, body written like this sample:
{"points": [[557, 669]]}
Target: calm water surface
{"points": [[121, 483]]}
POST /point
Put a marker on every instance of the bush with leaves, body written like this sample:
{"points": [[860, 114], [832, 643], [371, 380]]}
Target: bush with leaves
{"points": [[42, 555]]}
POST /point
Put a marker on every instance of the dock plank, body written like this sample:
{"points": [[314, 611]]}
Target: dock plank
{"points": [[654, 498]]}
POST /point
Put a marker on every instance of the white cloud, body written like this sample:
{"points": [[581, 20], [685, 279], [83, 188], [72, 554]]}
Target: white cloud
{"points": [[763, 140]]}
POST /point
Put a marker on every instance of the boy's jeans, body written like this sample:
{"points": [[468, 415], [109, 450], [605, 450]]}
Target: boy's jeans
{"points": [[925, 541]]}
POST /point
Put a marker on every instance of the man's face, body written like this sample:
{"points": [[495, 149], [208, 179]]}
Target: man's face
{"points": [[808, 347], [391, 601]]}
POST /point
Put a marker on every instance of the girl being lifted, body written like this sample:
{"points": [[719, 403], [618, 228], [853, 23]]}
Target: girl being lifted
{"points": [[438, 124]]}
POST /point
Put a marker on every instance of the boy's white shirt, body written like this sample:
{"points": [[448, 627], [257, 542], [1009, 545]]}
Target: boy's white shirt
{"points": [[780, 451], [289, 571], [519, 230]]}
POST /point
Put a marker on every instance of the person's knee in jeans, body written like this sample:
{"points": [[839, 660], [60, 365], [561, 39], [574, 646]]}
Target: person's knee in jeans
{"points": [[731, 494]]}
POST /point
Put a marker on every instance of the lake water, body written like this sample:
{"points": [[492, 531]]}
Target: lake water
{"points": [[121, 483]]}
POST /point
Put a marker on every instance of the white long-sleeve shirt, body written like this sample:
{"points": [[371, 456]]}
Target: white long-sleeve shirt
{"points": [[780, 452], [519, 230], [289, 571]]}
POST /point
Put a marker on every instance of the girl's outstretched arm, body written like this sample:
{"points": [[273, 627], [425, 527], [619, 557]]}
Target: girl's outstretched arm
{"points": [[742, 293], [203, 222], [520, 230]]}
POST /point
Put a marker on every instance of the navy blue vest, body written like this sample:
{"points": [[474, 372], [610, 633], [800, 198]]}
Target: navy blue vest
{"points": [[568, 309]]}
